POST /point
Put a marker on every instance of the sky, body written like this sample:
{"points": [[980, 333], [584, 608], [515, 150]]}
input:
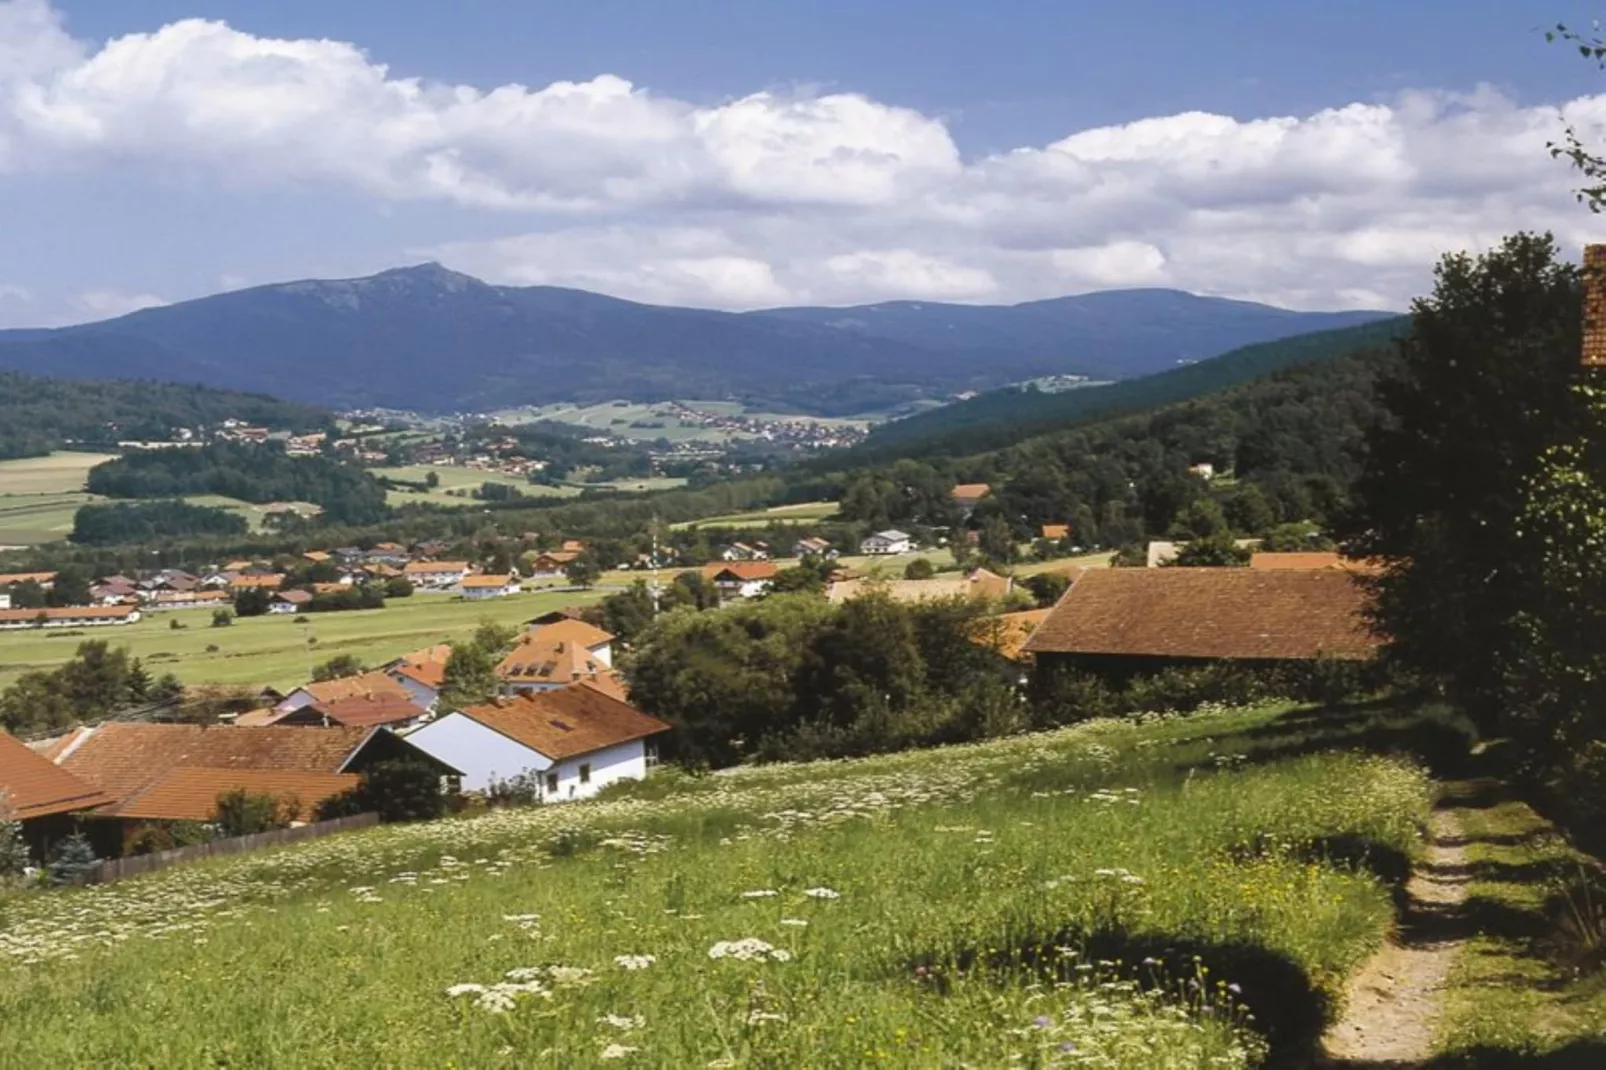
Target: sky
{"points": [[745, 155]]}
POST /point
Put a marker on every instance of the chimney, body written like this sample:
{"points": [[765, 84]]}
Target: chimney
{"points": [[1594, 348]]}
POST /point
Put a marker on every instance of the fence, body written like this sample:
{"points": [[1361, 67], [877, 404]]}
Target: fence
{"points": [[115, 869]]}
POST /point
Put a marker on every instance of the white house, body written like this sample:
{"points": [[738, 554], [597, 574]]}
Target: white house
{"points": [[572, 741], [68, 617], [741, 551], [370, 685], [558, 655], [887, 542], [289, 601], [742, 579], [436, 575], [480, 587], [814, 546], [422, 672]]}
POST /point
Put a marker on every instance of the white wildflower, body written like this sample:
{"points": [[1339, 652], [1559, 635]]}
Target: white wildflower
{"points": [[634, 962], [821, 893], [761, 893], [797, 923], [618, 1051], [623, 1021]]}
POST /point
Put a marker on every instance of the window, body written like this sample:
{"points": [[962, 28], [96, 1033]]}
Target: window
{"points": [[585, 773], [552, 783]]}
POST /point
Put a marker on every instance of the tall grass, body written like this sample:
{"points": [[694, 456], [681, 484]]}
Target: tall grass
{"points": [[1113, 895]]}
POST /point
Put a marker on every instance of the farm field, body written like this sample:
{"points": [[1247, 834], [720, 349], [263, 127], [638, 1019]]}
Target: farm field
{"points": [[456, 478], [780, 514], [39, 495], [274, 649], [617, 418], [1117, 894]]}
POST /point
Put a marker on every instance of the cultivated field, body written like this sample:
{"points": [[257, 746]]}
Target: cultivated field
{"points": [[1114, 895], [453, 477], [779, 515], [39, 495], [59, 473], [275, 649], [657, 420]]}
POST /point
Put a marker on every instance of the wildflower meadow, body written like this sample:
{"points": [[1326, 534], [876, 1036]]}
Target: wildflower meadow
{"points": [[1165, 892]]}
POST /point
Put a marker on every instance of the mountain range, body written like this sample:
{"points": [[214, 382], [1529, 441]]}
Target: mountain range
{"points": [[435, 340]]}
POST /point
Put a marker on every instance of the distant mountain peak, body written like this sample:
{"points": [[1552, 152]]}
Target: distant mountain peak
{"points": [[431, 272]]}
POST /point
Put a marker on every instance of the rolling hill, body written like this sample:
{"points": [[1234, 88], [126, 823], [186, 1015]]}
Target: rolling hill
{"points": [[432, 339]]}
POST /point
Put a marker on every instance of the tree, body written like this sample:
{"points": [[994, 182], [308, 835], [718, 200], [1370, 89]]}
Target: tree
{"points": [[494, 637], [919, 569], [1248, 511], [70, 587], [243, 813], [998, 540], [252, 601], [1296, 538], [628, 613], [1199, 519], [166, 690], [222, 618], [338, 667], [583, 571], [397, 790], [469, 677], [1483, 387], [71, 858], [27, 595], [1047, 587], [1212, 551], [398, 587], [14, 857]]}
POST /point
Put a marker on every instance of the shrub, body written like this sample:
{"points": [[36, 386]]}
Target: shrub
{"points": [[399, 586], [243, 813], [337, 667], [71, 859], [398, 790], [174, 624], [1047, 587], [919, 569], [222, 618], [166, 835], [520, 790], [13, 848]]}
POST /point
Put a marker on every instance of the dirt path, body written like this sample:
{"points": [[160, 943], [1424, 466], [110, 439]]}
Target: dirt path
{"points": [[1395, 1001]]}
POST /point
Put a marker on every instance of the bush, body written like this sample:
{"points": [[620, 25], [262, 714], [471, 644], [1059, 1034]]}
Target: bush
{"points": [[166, 835], [174, 624], [71, 859], [521, 790], [919, 569], [243, 813], [13, 848], [222, 618], [398, 790], [1047, 587], [399, 586]]}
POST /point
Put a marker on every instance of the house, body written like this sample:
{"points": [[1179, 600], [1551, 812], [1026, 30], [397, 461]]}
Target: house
{"points": [[886, 543], [741, 551], [43, 579], [317, 557], [1162, 552], [1056, 532], [422, 672], [289, 601], [217, 579], [558, 655], [574, 740], [553, 616], [323, 692], [68, 617], [815, 547], [969, 495], [977, 583], [354, 711], [1128, 620], [741, 579], [1007, 633], [478, 587], [1204, 470], [1318, 559], [175, 772], [196, 598], [41, 796], [261, 581], [551, 562], [435, 575], [113, 593]]}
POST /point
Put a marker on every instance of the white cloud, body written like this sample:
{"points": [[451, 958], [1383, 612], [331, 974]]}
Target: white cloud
{"points": [[803, 197], [13, 292], [104, 304]]}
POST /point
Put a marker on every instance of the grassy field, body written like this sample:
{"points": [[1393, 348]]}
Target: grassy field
{"points": [[59, 473], [39, 495], [780, 514], [616, 418], [274, 649], [467, 479], [1512, 999], [1112, 895]]}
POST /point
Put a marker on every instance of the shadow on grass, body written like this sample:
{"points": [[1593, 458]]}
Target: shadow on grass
{"points": [[1287, 1009], [1579, 1055]]}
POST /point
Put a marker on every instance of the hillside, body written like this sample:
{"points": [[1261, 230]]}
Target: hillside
{"points": [[431, 339], [38, 415], [1002, 417]]}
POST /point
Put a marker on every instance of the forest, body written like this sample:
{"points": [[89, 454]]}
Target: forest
{"points": [[250, 472], [147, 521], [39, 415]]}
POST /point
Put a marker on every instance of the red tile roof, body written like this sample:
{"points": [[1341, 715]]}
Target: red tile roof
{"points": [[427, 666], [1209, 613], [537, 660], [123, 757], [566, 721], [1007, 633], [473, 582], [427, 568], [572, 630], [1056, 531], [70, 613], [368, 684], [1316, 559], [8, 578], [190, 793], [31, 786], [971, 491], [367, 710], [746, 571]]}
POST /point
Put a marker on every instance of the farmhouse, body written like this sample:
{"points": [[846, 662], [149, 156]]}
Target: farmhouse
{"points": [[364, 685], [422, 672], [741, 579], [267, 581], [978, 583], [815, 547], [41, 796], [741, 551], [552, 562], [43, 579], [175, 772], [1127, 620], [68, 617], [195, 598], [573, 740], [969, 495], [558, 655], [886, 542], [355, 711], [480, 587], [1057, 532], [436, 575], [290, 601]]}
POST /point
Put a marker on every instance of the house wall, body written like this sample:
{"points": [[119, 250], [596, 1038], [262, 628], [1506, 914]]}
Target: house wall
{"points": [[482, 754], [485, 755], [294, 701], [421, 694]]}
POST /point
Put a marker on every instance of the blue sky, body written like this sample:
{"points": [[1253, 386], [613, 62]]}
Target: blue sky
{"points": [[743, 154]]}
